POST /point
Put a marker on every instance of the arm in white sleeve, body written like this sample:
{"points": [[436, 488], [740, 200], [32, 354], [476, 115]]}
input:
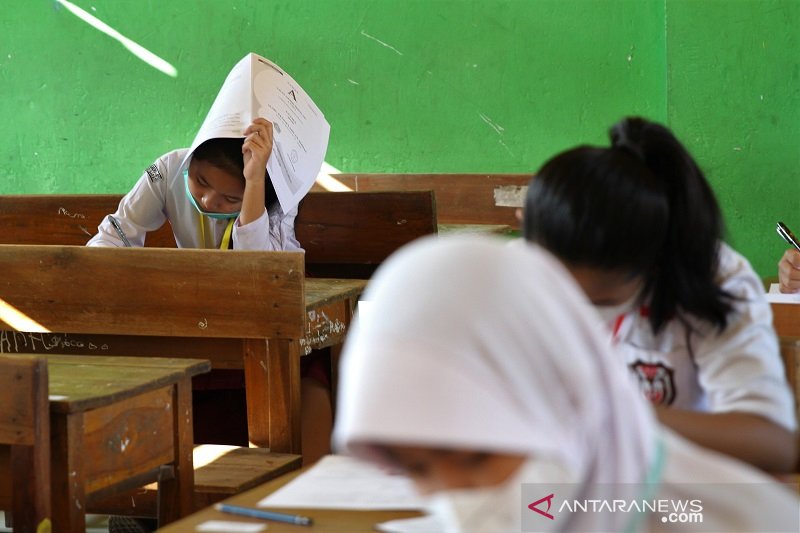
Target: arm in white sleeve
{"points": [[139, 211], [740, 369], [268, 232]]}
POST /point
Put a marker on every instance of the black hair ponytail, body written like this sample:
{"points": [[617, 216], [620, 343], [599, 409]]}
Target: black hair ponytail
{"points": [[642, 207], [683, 280]]}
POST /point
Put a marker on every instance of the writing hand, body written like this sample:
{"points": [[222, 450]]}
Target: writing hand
{"points": [[789, 271]]}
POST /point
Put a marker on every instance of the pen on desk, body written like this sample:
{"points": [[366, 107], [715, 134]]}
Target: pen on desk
{"points": [[266, 515], [117, 227], [787, 235]]}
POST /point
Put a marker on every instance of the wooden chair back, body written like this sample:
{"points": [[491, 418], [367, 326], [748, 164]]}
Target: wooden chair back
{"points": [[25, 436], [460, 198], [344, 235], [348, 235]]}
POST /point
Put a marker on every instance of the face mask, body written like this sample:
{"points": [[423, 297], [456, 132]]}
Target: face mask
{"points": [[200, 210], [498, 508]]}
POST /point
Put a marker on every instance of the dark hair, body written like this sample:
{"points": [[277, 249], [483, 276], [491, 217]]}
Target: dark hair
{"points": [[226, 154], [641, 206]]}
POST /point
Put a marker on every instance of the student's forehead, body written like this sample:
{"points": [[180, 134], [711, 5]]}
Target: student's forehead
{"points": [[221, 180]]}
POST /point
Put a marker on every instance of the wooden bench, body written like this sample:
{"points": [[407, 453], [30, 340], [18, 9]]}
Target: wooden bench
{"points": [[25, 436], [461, 199], [344, 235]]}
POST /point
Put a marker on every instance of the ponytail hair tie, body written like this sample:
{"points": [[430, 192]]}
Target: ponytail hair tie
{"points": [[627, 134]]}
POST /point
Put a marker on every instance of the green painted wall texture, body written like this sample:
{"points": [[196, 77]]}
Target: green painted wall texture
{"points": [[416, 86]]}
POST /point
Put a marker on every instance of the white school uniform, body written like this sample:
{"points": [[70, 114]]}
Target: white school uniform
{"points": [[160, 195], [473, 345], [738, 369]]}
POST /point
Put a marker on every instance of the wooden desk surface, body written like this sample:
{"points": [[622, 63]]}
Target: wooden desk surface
{"points": [[324, 519], [322, 291], [116, 422], [476, 229], [83, 382]]}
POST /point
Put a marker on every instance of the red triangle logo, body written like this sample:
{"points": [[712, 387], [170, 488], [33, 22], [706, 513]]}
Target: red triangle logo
{"points": [[546, 513]]}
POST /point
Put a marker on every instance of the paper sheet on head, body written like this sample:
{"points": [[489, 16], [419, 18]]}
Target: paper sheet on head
{"points": [[257, 87]]}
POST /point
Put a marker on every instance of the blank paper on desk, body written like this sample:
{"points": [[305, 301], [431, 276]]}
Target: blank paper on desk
{"points": [[775, 296], [340, 482]]}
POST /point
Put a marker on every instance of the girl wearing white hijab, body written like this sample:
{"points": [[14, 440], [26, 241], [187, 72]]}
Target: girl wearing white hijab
{"points": [[480, 368]]}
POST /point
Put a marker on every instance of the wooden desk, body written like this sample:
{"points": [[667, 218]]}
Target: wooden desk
{"points": [[116, 424], [179, 302], [324, 519], [786, 319]]}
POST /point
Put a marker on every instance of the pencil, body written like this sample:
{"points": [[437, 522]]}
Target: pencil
{"points": [[266, 515]]}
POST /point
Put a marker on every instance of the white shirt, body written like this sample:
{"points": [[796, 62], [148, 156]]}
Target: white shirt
{"points": [[738, 369], [160, 196]]}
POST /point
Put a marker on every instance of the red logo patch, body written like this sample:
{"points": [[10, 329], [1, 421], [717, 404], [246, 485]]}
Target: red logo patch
{"points": [[656, 381]]}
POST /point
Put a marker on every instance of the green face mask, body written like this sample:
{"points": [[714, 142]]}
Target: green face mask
{"points": [[200, 210]]}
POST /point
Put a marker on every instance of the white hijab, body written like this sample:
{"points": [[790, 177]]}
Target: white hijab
{"points": [[473, 344]]}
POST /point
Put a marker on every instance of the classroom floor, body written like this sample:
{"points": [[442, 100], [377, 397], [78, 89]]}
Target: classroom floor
{"points": [[94, 523]]}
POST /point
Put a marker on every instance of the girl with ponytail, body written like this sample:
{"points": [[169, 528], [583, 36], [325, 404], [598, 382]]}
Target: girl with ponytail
{"points": [[638, 226]]}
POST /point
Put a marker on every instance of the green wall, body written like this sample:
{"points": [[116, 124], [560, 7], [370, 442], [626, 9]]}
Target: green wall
{"points": [[416, 86], [734, 97]]}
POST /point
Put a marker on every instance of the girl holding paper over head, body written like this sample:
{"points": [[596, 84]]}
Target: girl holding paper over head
{"points": [[226, 191], [638, 226], [233, 187], [500, 376]]}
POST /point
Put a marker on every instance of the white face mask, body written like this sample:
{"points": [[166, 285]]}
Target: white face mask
{"points": [[493, 509]]}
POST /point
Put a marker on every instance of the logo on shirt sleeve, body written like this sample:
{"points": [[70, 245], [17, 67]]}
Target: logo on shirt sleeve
{"points": [[656, 381], [154, 174]]}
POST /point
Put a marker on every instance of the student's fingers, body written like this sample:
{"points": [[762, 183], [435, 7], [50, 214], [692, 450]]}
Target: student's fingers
{"points": [[261, 128], [257, 148], [789, 271], [793, 257]]}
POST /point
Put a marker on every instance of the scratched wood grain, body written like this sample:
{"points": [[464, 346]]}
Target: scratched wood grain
{"points": [[155, 291]]}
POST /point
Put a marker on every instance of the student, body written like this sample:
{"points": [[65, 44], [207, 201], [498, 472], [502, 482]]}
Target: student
{"points": [[789, 271], [222, 199], [500, 376], [639, 228]]}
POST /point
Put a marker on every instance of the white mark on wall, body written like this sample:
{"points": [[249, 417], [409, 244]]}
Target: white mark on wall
{"points": [[506, 147], [136, 49], [496, 127], [354, 82], [737, 148], [630, 54], [390, 47]]}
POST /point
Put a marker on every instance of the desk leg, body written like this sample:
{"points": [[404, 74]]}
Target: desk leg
{"points": [[272, 379], [176, 495], [67, 472]]}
